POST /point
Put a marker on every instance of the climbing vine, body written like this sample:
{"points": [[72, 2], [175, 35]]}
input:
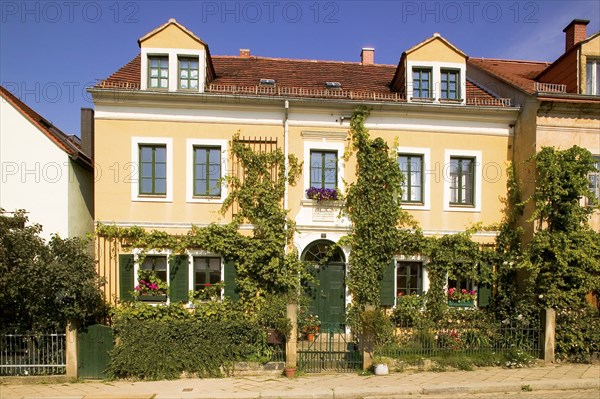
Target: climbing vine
{"points": [[372, 205], [263, 264]]}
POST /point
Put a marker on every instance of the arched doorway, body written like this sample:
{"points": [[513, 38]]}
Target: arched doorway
{"points": [[328, 293]]}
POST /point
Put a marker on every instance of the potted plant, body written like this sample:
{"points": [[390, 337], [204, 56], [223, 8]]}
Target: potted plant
{"points": [[461, 298], [378, 330], [322, 194], [151, 288], [309, 324]]}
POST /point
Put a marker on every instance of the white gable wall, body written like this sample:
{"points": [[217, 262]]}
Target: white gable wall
{"points": [[34, 173]]}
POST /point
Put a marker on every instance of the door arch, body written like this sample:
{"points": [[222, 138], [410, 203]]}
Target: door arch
{"points": [[327, 264]]}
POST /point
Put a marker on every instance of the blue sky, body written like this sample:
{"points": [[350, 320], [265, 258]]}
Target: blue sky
{"points": [[51, 50]]}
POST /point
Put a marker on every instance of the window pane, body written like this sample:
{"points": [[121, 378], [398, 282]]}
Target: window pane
{"points": [[147, 169], [160, 186], [146, 186], [316, 169], [589, 78], [156, 263], [160, 171], [183, 64], [164, 63], [146, 153]]}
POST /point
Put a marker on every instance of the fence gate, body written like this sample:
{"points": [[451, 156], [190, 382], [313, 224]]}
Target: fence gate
{"points": [[332, 350], [94, 344]]}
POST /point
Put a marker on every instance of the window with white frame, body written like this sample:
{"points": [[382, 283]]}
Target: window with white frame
{"points": [[151, 169], [421, 80], [188, 73], [207, 171], [207, 272], [462, 180], [323, 169], [411, 166], [409, 278], [450, 88], [158, 72], [592, 77], [206, 167]]}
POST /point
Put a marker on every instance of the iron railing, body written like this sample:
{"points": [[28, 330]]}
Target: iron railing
{"points": [[415, 340], [32, 354]]}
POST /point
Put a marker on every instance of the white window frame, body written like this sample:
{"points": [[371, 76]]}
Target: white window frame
{"points": [[424, 272], [436, 79], [426, 154], [477, 175], [173, 54], [594, 78], [135, 192], [323, 146], [136, 266], [199, 253], [190, 144]]}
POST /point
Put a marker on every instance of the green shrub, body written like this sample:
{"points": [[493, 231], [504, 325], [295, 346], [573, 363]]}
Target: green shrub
{"points": [[162, 342], [577, 334]]}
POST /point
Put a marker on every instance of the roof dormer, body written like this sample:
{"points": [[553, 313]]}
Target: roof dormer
{"points": [[174, 59], [432, 71]]}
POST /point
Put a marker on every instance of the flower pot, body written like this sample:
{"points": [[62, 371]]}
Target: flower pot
{"points": [[381, 369], [289, 372], [461, 304], [152, 298], [310, 337]]}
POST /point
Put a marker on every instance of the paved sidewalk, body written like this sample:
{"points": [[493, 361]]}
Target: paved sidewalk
{"points": [[337, 386]]}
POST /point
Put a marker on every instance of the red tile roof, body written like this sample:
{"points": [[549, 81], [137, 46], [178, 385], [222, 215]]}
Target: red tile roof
{"points": [[305, 78], [68, 144], [520, 74]]}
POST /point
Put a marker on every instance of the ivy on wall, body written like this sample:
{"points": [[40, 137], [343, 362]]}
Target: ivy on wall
{"points": [[263, 264]]}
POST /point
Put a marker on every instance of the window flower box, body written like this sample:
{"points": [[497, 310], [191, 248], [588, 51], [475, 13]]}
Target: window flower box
{"points": [[461, 297], [152, 298], [322, 194]]}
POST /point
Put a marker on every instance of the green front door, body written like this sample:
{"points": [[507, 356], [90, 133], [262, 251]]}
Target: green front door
{"points": [[328, 292]]}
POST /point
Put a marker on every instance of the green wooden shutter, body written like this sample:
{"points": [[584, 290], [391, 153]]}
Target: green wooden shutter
{"points": [[179, 278], [484, 295], [229, 278], [484, 289], [126, 277], [387, 285]]}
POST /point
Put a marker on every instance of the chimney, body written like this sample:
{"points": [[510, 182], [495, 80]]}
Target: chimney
{"points": [[87, 132], [245, 52], [367, 56], [575, 32]]}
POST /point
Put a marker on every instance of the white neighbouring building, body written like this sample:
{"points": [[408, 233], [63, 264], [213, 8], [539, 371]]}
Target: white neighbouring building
{"points": [[44, 171]]}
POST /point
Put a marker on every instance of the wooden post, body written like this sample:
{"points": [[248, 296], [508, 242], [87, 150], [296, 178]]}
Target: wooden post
{"points": [[72, 349], [366, 342], [291, 356], [548, 335]]}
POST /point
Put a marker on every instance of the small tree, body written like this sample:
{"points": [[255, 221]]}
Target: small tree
{"points": [[42, 285]]}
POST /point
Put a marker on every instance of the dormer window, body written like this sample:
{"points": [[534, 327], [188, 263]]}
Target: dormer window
{"points": [[188, 73], [422, 83], [333, 85], [450, 84], [158, 72], [267, 82]]}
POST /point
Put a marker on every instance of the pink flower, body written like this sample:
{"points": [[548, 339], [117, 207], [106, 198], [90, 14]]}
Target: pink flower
{"points": [[137, 288]]}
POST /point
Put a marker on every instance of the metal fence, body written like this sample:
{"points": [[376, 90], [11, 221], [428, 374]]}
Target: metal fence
{"points": [[423, 340], [32, 354]]}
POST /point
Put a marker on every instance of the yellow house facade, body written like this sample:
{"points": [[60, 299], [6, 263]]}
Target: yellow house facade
{"points": [[163, 123]]}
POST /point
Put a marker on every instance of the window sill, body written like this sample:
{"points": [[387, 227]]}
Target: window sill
{"points": [[422, 99], [316, 203]]}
